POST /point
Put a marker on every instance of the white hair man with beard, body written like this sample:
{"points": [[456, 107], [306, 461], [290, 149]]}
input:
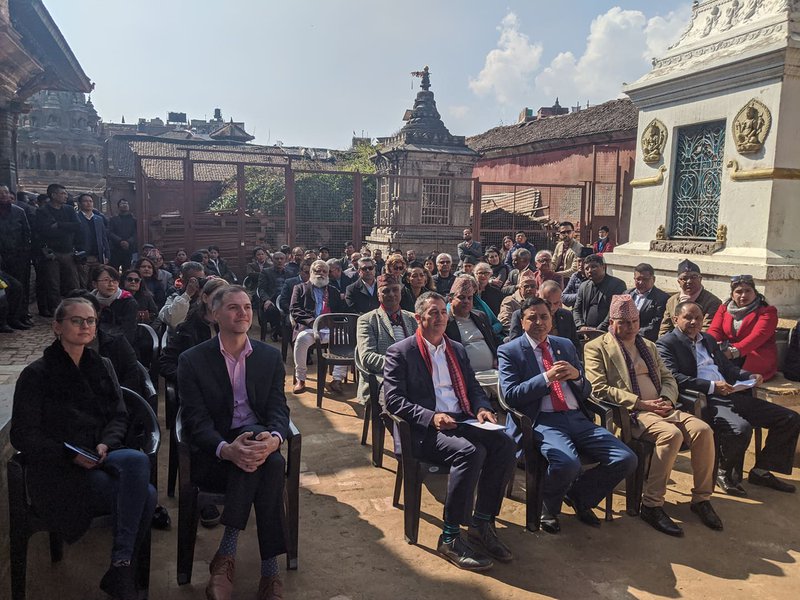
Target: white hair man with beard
{"points": [[310, 300]]}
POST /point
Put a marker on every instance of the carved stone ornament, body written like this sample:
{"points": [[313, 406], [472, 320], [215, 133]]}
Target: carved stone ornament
{"points": [[661, 233], [751, 126], [686, 247], [722, 234], [654, 140]]}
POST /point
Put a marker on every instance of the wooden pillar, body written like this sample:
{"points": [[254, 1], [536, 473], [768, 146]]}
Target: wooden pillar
{"points": [[290, 206], [476, 209], [8, 146], [357, 209]]}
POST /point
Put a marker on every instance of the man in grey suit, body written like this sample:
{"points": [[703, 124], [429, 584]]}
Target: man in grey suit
{"points": [[380, 328]]}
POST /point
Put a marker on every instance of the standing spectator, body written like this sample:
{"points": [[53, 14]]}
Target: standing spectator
{"points": [[444, 278], [95, 238], [15, 245], [122, 235], [147, 268], [119, 309], [58, 229], [218, 265], [522, 242], [567, 251], [362, 296], [595, 294], [469, 247], [603, 243], [379, 262]]}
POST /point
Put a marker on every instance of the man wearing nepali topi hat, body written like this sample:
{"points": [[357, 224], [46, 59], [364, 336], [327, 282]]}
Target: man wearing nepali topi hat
{"points": [[626, 369], [690, 283]]}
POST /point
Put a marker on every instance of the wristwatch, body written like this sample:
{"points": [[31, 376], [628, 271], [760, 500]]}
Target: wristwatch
{"points": [[735, 352]]}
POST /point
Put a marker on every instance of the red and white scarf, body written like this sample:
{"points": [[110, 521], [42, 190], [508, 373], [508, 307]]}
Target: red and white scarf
{"points": [[453, 367]]}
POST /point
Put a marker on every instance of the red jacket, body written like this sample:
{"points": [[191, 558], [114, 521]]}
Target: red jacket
{"points": [[609, 247], [755, 340]]}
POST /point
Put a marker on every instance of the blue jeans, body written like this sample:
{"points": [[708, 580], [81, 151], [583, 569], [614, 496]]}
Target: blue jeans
{"points": [[121, 487]]}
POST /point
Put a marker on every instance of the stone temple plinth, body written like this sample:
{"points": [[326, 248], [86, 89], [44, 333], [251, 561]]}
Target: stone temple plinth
{"points": [[425, 193], [717, 172]]}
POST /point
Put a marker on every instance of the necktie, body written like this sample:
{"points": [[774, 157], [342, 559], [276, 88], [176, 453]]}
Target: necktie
{"points": [[556, 392]]}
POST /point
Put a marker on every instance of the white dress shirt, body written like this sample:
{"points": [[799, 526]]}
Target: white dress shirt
{"points": [[706, 367], [547, 401], [446, 399]]}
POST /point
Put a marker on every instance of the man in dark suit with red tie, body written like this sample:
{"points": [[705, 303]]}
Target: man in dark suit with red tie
{"points": [[428, 381], [540, 375]]}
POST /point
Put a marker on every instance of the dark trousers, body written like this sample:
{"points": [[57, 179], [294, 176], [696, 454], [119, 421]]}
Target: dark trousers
{"points": [[122, 487], [20, 269], [477, 458], [262, 490], [565, 435], [15, 306], [733, 418], [272, 316], [59, 276]]}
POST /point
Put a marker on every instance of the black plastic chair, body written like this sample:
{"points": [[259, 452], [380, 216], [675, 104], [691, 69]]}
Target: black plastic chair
{"points": [[411, 474], [171, 408], [535, 463], [151, 361], [143, 433], [340, 348], [192, 497], [372, 412]]}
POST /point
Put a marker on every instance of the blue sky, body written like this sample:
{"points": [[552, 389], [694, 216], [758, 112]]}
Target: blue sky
{"points": [[310, 73]]}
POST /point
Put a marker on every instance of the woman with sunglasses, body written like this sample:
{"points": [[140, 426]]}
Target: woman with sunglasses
{"points": [[119, 310], [71, 396], [416, 282], [744, 326], [132, 282]]}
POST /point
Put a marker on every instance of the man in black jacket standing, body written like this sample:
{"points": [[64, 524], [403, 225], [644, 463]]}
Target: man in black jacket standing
{"points": [[595, 294], [650, 301], [15, 247], [122, 235], [236, 416], [59, 231]]}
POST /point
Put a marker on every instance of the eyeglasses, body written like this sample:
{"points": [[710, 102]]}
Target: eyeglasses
{"points": [[566, 231], [748, 279], [106, 280], [132, 279], [80, 321], [688, 278]]}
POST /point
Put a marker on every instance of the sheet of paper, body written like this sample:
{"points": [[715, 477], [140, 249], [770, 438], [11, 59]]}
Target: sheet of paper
{"points": [[489, 426], [740, 386]]}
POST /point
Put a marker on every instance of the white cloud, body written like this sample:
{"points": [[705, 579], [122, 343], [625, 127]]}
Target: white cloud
{"points": [[458, 111], [508, 69], [619, 48]]}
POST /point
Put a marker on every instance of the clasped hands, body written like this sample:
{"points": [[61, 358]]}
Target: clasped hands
{"points": [[248, 452], [660, 406], [562, 370], [723, 388], [444, 422]]}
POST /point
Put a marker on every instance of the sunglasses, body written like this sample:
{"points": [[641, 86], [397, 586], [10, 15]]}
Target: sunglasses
{"points": [[133, 279], [367, 268]]}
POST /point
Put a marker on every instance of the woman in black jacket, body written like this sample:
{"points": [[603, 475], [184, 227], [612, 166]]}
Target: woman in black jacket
{"points": [[71, 396], [118, 308]]}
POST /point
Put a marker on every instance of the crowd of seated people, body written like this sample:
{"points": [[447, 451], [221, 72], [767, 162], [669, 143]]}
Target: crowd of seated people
{"points": [[550, 329]]}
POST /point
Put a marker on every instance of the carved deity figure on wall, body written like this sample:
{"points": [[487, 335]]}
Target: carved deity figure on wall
{"points": [[751, 126], [654, 139], [722, 234], [661, 233]]}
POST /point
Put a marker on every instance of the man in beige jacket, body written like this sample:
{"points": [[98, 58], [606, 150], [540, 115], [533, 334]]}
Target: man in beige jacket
{"points": [[526, 288], [626, 369]]}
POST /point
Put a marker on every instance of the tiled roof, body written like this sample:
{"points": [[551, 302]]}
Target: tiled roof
{"points": [[165, 157], [613, 116]]}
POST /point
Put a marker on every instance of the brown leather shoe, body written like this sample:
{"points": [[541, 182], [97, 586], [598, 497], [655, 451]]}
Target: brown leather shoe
{"points": [[220, 584], [299, 387], [270, 588], [335, 386]]}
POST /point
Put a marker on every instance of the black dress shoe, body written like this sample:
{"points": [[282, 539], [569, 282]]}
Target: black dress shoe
{"points": [[585, 515], [658, 519], [119, 583], [485, 535], [462, 556], [705, 511], [729, 487], [209, 516], [5, 328], [161, 519], [550, 524], [769, 480]]}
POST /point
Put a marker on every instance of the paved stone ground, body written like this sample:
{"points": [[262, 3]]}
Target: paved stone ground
{"points": [[352, 547]]}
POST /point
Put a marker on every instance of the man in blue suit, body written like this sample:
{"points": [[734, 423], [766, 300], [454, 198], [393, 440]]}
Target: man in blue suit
{"points": [[541, 376]]}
